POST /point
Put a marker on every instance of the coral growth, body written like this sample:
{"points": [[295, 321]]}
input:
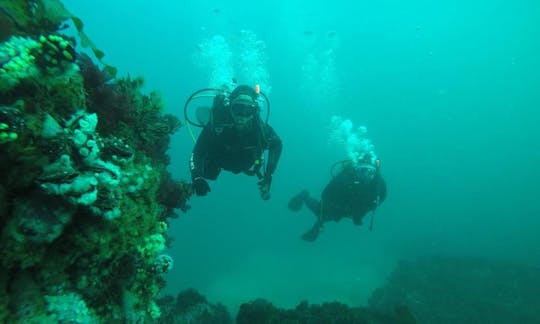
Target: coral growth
{"points": [[128, 113], [84, 191]]}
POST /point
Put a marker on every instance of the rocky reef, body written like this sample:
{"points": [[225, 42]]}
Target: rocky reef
{"points": [[430, 289], [85, 195], [262, 311], [446, 289], [192, 307]]}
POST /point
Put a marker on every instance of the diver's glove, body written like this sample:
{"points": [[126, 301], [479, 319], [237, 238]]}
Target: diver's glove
{"points": [[264, 186], [200, 186]]}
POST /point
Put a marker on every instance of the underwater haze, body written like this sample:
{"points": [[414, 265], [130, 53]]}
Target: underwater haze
{"points": [[447, 90]]}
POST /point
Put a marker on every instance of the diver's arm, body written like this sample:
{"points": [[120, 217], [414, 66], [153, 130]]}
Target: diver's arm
{"points": [[200, 153], [274, 146], [381, 188]]}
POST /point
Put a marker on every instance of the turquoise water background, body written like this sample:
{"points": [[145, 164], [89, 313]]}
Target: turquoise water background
{"points": [[448, 90]]}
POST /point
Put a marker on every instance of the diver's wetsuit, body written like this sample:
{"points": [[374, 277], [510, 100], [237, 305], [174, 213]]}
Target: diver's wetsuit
{"points": [[222, 146], [233, 150], [347, 195]]}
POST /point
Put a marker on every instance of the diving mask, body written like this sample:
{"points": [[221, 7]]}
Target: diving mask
{"points": [[365, 171], [243, 109]]}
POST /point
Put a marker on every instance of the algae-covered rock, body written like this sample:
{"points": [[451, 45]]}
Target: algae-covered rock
{"points": [[84, 191]]}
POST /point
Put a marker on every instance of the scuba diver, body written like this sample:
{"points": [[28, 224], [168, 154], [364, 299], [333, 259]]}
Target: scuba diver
{"points": [[354, 190], [234, 139]]}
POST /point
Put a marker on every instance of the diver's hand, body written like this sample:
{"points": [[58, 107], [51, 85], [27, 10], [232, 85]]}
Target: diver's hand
{"points": [[264, 186], [200, 186]]}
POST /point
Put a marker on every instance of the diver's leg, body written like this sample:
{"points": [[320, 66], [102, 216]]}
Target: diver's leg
{"points": [[325, 211], [316, 207], [313, 233], [313, 204], [296, 202]]}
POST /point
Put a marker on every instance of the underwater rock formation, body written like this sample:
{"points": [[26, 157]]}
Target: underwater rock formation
{"points": [[264, 312], [84, 202], [463, 290], [192, 307]]}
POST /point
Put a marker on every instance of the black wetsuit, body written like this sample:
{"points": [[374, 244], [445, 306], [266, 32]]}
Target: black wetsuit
{"points": [[221, 146], [346, 195]]}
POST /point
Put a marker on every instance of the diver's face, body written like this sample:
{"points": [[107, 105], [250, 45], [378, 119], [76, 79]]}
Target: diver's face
{"points": [[366, 172], [243, 114]]}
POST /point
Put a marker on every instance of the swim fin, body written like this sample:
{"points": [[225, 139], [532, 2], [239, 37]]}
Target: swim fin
{"points": [[296, 202], [312, 234]]}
